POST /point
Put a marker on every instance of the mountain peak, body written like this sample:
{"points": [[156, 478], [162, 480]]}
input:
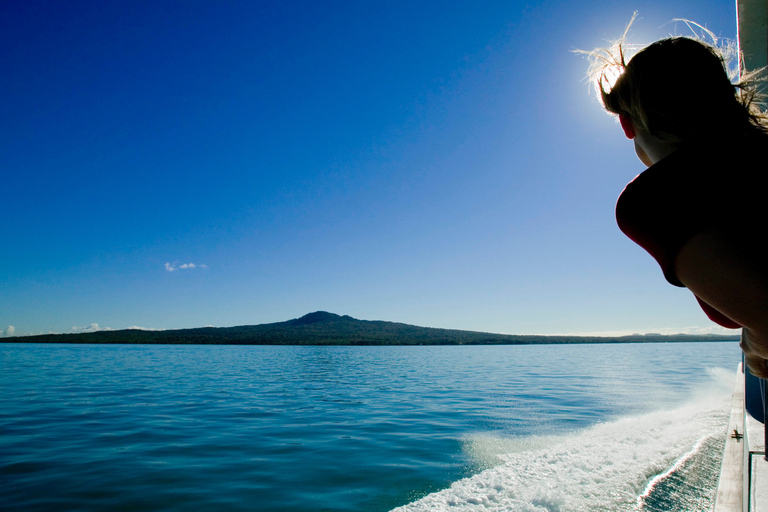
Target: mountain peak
{"points": [[316, 317]]}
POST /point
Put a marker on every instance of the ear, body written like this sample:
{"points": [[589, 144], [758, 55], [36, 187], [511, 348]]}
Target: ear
{"points": [[626, 125]]}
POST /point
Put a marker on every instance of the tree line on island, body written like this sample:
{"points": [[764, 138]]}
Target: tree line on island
{"points": [[323, 328]]}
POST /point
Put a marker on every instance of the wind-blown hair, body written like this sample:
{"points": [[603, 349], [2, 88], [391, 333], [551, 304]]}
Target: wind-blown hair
{"points": [[679, 89]]}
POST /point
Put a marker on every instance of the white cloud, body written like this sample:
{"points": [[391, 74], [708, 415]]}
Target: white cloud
{"points": [[8, 331], [90, 328], [170, 267], [712, 329]]}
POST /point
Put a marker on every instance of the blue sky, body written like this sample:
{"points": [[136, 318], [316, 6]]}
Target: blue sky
{"points": [[173, 164]]}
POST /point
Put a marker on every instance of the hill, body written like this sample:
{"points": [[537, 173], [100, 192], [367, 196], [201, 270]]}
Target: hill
{"points": [[323, 328]]}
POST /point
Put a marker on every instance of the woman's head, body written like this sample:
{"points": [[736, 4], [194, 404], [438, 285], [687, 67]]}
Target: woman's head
{"points": [[677, 90]]}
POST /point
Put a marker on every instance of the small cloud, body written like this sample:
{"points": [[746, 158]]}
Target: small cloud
{"points": [[90, 328], [8, 331], [170, 267], [712, 329]]}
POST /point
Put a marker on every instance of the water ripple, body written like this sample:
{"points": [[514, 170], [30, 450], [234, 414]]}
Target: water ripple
{"points": [[233, 428]]}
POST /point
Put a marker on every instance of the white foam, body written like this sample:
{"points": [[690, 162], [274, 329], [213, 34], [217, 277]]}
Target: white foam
{"points": [[608, 467], [666, 474]]}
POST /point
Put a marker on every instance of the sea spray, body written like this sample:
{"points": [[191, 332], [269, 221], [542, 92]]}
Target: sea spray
{"points": [[613, 466]]}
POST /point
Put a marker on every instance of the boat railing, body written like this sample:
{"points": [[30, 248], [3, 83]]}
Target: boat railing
{"points": [[744, 457]]}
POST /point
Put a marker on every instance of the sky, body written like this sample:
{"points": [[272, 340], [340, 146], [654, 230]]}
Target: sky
{"points": [[176, 164]]}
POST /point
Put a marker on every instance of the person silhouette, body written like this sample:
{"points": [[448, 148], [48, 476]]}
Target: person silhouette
{"points": [[700, 208]]}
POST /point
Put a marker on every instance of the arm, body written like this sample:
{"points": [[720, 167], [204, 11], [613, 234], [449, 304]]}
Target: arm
{"points": [[725, 274]]}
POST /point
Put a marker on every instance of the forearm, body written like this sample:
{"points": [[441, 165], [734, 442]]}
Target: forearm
{"points": [[726, 275]]}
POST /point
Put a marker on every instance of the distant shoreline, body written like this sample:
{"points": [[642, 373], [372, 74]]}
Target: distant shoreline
{"points": [[322, 328]]}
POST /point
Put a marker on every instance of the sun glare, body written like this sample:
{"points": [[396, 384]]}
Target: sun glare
{"points": [[608, 77]]}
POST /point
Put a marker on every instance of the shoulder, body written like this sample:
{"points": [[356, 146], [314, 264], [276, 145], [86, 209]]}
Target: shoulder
{"points": [[699, 181], [663, 207], [682, 185]]}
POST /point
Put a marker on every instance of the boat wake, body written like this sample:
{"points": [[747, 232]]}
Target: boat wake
{"points": [[665, 460]]}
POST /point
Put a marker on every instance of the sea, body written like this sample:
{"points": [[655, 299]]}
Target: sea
{"points": [[534, 428]]}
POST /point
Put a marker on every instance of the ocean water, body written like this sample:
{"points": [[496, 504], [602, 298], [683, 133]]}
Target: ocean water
{"points": [[510, 428]]}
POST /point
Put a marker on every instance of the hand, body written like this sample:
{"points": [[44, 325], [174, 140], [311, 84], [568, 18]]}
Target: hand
{"points": [[754, 355]]}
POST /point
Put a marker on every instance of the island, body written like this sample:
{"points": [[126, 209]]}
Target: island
{"points": [[323, 328]]}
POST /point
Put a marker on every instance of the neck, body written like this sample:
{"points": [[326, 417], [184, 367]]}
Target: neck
{"points": [[650, 149]]}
